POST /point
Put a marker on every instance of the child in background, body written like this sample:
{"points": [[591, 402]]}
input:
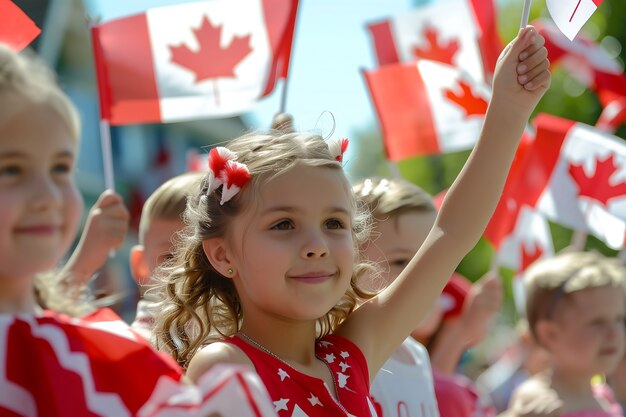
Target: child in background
{"points": [[161, 219], [575, 306], [403, 215], [270, 262], [52, 364]]}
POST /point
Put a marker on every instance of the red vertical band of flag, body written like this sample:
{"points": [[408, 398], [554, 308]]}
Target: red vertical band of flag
{"points": [[126, 93], [398, 94], [384, 45], [274, 22], [490, 42], [16, 29]]}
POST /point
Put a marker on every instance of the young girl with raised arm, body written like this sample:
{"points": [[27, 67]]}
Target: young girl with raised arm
{"points": [[270, 268], [52, 364], [575, 305]]}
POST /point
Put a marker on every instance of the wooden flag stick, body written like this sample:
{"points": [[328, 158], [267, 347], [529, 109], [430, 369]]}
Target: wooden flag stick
{"points": [[525, 13]]}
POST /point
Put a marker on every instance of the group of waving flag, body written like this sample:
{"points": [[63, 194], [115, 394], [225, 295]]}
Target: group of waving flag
{"points": [[208, 59]]}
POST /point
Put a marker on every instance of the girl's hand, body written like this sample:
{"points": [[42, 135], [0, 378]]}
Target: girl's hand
{"points": [[522, 73], [105, 229]]}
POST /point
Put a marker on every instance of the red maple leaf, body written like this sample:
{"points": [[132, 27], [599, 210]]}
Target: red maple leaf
{"points": [[471, 103], [598, 186], [528, 257], [434, 51], [211, 61]]}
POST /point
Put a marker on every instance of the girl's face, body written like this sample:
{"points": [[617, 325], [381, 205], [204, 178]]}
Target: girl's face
{"points": [[40, 205], [293, 250], [587, 333]]}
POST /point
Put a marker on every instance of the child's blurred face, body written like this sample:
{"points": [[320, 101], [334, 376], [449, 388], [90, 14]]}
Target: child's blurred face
{"points": [[587, 332], [158, 242], [40, 204], [394, 242], [293, 250]]}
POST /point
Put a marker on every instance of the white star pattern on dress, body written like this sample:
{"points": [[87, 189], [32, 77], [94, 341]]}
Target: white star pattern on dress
{"points": [[315, 401], [330, 358], [344, 354], [281, 404], [343, 366], [282, 374], [342, 379]]}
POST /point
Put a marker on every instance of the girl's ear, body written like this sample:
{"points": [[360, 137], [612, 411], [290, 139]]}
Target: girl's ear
{"points": [[138, 265], [218, 255], [547, 333]]}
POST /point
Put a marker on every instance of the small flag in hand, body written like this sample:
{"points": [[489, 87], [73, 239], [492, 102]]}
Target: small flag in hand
{"points": [[571, 15]]}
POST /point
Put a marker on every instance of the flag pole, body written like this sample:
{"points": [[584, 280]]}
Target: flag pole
{"points": [[107, 155], [525, 13], [105, 128]]}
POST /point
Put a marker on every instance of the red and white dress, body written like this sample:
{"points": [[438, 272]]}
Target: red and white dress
{"points": [[53, 365], [297, 394]]}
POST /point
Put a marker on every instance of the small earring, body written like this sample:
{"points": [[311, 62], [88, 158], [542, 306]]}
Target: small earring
{"points": [[230, 270]]}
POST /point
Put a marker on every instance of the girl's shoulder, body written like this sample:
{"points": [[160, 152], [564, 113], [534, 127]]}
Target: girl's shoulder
{"points": [[213, 354]]}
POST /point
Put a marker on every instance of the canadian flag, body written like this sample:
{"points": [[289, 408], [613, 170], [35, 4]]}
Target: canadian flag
{"points": [[584, 59], [461, 33], [16, 28], [427, 107], [192, 60], [613, 114], [54, 365], [576, 176], [530, 240], [571, 15]]}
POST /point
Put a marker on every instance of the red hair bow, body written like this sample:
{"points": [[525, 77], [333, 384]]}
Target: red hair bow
{"points": [[225, 171], [337, 148]]}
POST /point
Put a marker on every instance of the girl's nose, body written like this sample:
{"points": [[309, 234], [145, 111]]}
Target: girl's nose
{"points": [[315, 247], [46, 193]]}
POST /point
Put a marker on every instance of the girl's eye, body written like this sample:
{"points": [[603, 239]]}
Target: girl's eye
{"points": [[334, 224], [10, 171], [283, 225], [598, 322], [61, 168], [399, 262]]}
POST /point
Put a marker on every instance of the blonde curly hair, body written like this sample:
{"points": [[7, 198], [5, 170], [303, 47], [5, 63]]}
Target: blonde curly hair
{"points": [[200, 305]]}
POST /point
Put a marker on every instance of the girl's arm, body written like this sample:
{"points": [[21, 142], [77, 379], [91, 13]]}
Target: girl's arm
{"points": [[380, 325]]}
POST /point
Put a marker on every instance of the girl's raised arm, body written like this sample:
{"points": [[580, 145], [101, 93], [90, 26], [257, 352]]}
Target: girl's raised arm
{"points": [[521, 78]]}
